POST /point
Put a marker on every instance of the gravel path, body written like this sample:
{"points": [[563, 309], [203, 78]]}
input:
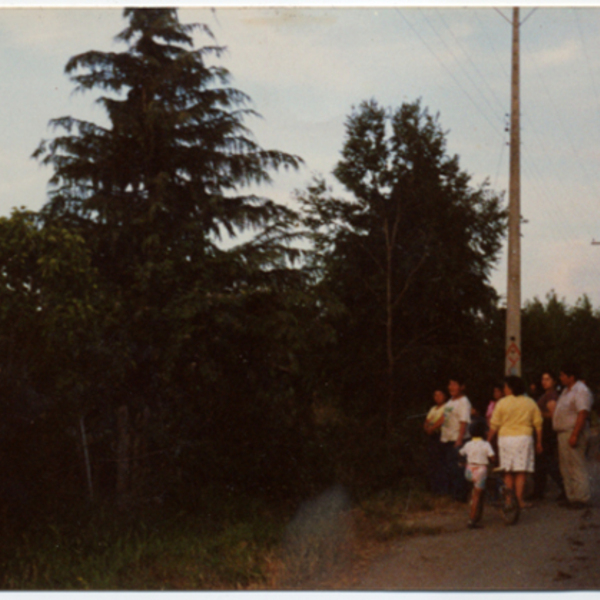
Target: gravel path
{"points": [[551, 548]]}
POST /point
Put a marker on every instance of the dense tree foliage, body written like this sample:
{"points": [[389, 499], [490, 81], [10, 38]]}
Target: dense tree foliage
{"points": [[48, 353], [198, 334], [554, 333], [150, 349], [408, 256]]}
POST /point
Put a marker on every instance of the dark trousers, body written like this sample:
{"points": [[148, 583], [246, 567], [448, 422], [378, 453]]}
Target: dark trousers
{"points": [[457, 484], [436, 467], [546, 465]]}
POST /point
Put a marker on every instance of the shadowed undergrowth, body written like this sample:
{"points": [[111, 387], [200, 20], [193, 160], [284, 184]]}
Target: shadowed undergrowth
{"points": [[225, 542]]}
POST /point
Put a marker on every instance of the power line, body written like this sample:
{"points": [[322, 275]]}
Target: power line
{"points": [[482, 77], [543, 196], [462, 68], [448, 71], [565, 130], [503, 16], [502, 147], [587, 58], [488, 39], [529, 158], [527, 17]]}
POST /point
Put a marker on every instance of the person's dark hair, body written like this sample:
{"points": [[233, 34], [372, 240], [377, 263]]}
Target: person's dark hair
{"points": [[549, 372], [458, 378], [571, 369], [516, 384], [440, 388], [478, 427], [498, 386]]}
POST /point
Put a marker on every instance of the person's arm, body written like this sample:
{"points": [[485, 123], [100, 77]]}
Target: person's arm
{"points": [[538, 437], [437, 425], [461, 434], [582, 416], [491, 455], [550, 408], [538, 423], [491, 434], [427, 424]]}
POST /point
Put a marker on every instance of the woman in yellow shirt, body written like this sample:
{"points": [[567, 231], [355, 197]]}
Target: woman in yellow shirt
{"points": [[514, 420]]}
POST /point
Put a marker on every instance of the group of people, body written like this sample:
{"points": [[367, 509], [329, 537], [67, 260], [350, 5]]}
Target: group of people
{"points": [[545, 436]]}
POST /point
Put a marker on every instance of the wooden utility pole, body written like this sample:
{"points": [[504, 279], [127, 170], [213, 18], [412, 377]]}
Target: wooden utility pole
{"points": [[513, 292]]}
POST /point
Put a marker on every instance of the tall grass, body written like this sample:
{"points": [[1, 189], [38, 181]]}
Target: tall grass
{"points": [[387, 515], [221, 544], [224, 542]]}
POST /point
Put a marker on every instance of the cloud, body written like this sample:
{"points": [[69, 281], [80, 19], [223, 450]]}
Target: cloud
{"points": [[315, 56], [568, 267], [566, 53]]}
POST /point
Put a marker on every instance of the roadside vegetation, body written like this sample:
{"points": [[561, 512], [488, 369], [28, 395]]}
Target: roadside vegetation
{"points": [[187, 364], [225, 542]]}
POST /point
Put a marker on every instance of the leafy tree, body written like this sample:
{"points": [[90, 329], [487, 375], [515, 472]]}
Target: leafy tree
{"points": [[408, 255], [48, 311], [554, 333], [152, 194]]}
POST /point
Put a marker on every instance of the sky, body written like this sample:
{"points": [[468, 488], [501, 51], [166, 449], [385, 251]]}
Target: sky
{"points": [[305, 68]]}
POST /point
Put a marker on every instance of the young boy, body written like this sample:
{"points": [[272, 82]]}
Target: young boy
{"points": [[478, 453]]}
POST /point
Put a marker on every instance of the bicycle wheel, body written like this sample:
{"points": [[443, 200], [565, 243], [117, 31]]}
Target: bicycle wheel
{"points": [[510, 506]]}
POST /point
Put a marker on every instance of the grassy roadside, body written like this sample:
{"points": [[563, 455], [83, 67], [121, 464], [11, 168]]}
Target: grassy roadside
{"points": [[224, 543]]}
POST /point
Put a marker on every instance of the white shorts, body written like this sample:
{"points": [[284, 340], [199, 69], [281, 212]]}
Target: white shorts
{"points": [[477, 475], [516, 453]]}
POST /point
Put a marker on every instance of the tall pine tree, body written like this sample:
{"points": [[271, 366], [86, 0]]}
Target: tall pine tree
{"points": [[153, 193]]}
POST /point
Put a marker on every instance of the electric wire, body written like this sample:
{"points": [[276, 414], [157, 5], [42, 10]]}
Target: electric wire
{"points": [[586, 54], [488, 38], [527, 17], [566, 135], [453, 77], [561, 227], [482, 77], [540, 180], [502, 147], [462, 68], [503, 15], [529, 124]]}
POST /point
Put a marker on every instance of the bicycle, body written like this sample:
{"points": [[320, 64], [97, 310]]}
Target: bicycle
{"points": [[505, 498]]}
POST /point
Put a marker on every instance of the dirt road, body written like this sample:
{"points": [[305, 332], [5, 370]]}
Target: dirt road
{"points": [[551, 548]]}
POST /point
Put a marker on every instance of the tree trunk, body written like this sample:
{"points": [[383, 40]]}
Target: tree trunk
{"points": [[123, 457], [131, 454], [138, 454], [389, 329]]}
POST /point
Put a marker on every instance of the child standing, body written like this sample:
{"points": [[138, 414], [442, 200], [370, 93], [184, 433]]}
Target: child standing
{"points": [[438, 482], [478, 453], [497, 395]]}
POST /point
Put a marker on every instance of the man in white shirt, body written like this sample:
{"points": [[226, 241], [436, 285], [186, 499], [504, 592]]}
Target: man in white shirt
{"points": [[570, 421], [455, 432]]}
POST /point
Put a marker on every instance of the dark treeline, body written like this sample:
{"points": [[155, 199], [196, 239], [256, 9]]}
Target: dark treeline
{"points": [[145, 356]]}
